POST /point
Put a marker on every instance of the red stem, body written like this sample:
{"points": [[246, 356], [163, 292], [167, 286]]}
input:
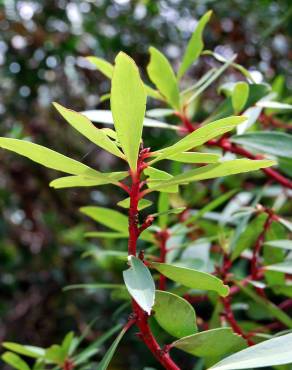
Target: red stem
{"points": [[162, 237]]}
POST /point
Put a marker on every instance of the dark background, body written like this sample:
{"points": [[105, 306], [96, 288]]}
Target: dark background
{"points": [[41, 48]]}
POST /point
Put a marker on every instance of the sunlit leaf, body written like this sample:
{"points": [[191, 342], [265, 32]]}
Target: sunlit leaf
{"points": [[239, 96], [15, 361], [159, 175], [30, 351], [143, 203], [193, 157], [102, 65]]}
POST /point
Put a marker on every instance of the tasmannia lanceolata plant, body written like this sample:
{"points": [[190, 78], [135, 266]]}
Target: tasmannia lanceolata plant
{"points": [[178, 282]]}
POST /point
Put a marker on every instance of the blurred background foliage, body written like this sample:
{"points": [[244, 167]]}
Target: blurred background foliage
{"points": [[41, 48]]}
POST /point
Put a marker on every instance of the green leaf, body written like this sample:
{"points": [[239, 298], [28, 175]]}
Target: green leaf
{"points": [[82, 181], [195, 45], [239, 96], [174, 314], [193, 157], [200, 137], [285, 267], [268, 142], [30, 351], [175, 211], [155, 174], [55, 354], [212, 171], [102, 65], [87, 129], [163, 207], [161, 74], [128, 104], [49, 158], [284, 244], [106, 234], [211, 343], [67, 343], [272, 352], [108, 217], [143, 203], [15, 361], [192, 278], [93, 286], [140, 284], [103, 365]]}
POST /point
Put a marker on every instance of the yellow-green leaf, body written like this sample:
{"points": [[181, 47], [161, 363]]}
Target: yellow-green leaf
{"points": [[193, 157], [102, 65], [239, 96]]}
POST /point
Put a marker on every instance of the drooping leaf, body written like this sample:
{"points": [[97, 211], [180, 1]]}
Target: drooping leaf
{"points": [[285, 267], [211, 343], [108, 217], [268, 142], [140, 284], [102, 65], [272, 352], [15, 361], [239, 96], [214, 170], [80, 181], [174, 314], [284, 244], [87, 129], [49, 158], [128, 105], [195, 45], [161, 74], [199, 137], [192, 278], [30, 351], [143, 203]]}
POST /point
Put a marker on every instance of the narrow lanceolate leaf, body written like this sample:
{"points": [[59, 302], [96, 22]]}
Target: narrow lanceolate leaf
{"points": [[108, 217], [214, 170], [192, 278], [15, 361], [239, 96], [140, 284], [193, 157], [29, 351], [211, 343], [284, 244], [128, 105], [285, 267], [143, 203], [195, 45], [49, 158], [161, 74], [86, 128], [174, 314], [103, 365], [159, 175], [269, 142], [200, 136], [81, 181], [163, 207], [273, 105], [102, 65], [272, 352]]}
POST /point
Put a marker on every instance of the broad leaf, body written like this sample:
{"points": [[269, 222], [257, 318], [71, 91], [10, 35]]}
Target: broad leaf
{"points": [[174, 314], [268, 142], [200, 137], [81, 181], [211, 343], [195, 45], [15, 361], [284, 244], [102, 65], [140, 284], [87, 129], [285, 267], [272, 352], [108, 217], [49, 158], [239, 96], [191, 278], [161, 74], [143, 203], [212, 171], [128, 104], [30, 351]]}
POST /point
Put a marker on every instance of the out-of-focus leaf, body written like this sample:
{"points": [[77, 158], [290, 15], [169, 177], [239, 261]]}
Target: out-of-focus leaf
{"points": [[30, 351], [159, 112], [284, 244], [15, 361], [102, 65], [285, 267], [163, 206], [274, 105], [239, 96]]}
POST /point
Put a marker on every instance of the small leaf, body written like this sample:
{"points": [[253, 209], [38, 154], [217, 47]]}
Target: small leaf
{"points": [[67, 343], [102, 65], [161, 74], [128, 104], [192, 278], [140, 284], [163, 207], [30, 351], [268, 142], [272, 352], [193, 157], [174, 314], [239, 96], [143, 203], [195, 45], [200, 136], [155, 174], [87, 129], [285, 267], [82, 181], [284, 244], [108, 217], [55, 354], [15, 361], [211, 343]]}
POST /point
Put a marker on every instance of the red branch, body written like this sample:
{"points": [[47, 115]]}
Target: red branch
{"points": [[141, 317], [162, 238]]}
